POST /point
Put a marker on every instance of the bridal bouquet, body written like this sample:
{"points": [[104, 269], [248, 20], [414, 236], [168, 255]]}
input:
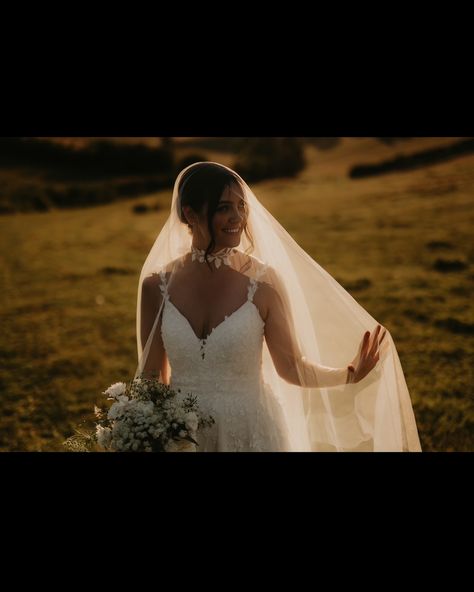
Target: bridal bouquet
{"points": [[144, 417]]}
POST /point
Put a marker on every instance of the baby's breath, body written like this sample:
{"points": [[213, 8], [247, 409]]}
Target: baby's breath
{"points": [[144, 417]]}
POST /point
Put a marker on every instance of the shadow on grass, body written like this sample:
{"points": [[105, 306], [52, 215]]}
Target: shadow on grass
{"points": [[455, 326]]}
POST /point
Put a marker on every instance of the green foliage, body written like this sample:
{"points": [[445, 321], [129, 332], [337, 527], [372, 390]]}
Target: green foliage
{"points": [[38, 175], [415, 160], [190, 159], [101, 159], [268, 158]]}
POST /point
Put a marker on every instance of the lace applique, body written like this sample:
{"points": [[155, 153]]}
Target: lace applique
{"points": [[163, 285], [219, 257], [254, 282], [224, 372]]}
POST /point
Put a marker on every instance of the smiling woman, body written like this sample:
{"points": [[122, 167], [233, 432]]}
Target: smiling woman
{"points": [[232, 310], [213, 206]]}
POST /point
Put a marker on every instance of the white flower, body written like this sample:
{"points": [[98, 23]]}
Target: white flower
{"points": [[191, 421], [104, 436], [116, 410], [116, 389]]}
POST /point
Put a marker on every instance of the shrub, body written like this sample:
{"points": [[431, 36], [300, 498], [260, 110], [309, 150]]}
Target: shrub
{"points": [[268, 158], [140, 208], [188, 160]]}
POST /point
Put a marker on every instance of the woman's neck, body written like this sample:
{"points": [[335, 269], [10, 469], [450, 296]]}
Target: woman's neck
{"points": [[218, 257], [201, 246]]}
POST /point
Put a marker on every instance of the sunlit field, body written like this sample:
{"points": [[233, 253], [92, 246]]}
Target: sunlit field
{"points": [[400, 243]]}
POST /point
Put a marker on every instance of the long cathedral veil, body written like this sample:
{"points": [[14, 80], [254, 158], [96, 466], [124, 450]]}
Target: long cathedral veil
{"points": [[326, 326]]}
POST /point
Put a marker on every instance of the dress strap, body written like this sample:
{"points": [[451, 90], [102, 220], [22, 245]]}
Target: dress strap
{"points": [[163, 285], [253, 282]]}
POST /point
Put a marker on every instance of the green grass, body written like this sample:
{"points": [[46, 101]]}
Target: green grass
{"points": [[69, 281]]}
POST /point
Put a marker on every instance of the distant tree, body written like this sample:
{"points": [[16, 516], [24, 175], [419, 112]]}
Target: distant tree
{"points": [[99, 159], [167, 143], [188, 160], [391, 141], [322, 143], [268, 158]]}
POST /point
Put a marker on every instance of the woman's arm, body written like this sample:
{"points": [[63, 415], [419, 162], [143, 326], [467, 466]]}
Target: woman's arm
{"points": [[286, 356], [156, 362], [294, 367]]}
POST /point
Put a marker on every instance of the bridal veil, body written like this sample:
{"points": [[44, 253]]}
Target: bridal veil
{"points": [[323, 328]]}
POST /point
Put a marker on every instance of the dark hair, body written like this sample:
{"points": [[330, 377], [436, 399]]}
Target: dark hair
{"points": [[204, 183]]}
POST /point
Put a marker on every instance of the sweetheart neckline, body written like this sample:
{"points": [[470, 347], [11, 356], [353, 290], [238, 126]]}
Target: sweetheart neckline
{"points": [[221, 323]]}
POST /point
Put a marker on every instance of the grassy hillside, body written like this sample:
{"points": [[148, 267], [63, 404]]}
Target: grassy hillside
{"points": [[401, 244]]}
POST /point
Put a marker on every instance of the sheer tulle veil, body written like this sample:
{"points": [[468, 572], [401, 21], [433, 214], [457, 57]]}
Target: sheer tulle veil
{"points": [[327, 325]]}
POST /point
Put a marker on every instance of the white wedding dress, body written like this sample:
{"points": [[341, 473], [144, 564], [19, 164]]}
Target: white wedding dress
{"points": [[224, 372]]}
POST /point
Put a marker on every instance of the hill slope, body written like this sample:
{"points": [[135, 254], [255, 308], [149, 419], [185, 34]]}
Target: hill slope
{"points": [[400, 244]]}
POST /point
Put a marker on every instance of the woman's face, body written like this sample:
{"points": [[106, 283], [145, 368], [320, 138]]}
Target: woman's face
{"points": [[228, 221], [230, 217]]}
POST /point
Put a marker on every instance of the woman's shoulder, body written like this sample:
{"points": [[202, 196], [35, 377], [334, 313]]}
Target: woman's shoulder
{"points": [[263, 272], [251, 265], [270, 283], [268, 294], [163, 273]]}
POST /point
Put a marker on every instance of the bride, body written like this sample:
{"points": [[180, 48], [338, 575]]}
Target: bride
{"points": [[232, 310]]}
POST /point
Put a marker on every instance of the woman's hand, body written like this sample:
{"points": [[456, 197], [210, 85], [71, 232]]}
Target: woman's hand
{"points": [[367, 356]]}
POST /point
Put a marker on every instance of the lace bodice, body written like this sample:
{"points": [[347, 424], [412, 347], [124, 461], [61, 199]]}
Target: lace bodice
{"points": [[224, 371], [232, 351]]}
